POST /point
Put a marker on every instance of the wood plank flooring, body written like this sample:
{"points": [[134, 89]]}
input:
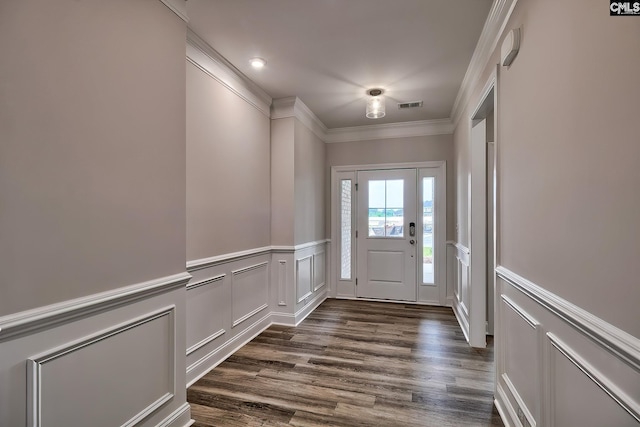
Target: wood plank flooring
{"points": [[353, 363]]}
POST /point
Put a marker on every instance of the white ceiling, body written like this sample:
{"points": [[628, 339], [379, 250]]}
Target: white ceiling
{"points": [[329, 52]]}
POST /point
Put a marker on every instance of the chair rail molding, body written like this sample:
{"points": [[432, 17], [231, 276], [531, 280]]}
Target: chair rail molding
{"points": [[621, 344], [46, 317]]}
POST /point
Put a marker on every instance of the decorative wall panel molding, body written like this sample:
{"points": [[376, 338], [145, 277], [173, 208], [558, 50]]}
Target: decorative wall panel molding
{"points": [[558, 364], [205, 307], [32, 321], [461, 287], [64, 382], [304, 278], [282, 282], [631, 407], [521, 363], [319, 267], [250, 297], [249, 291], [618, 342]]}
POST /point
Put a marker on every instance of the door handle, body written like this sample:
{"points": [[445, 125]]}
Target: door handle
{"points": [[413, 242]]}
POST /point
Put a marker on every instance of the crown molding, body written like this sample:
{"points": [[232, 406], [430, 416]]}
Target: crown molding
{"points": [[203, 56], [294, 107], [390, 130], [492, 31], [179, 7]]}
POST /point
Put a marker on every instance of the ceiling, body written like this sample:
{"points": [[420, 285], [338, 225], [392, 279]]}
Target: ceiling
{"points": [[329, 52]]}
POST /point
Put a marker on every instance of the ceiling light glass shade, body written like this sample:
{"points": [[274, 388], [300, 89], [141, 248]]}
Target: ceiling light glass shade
{"points": [[375, 107], [257, 62]]}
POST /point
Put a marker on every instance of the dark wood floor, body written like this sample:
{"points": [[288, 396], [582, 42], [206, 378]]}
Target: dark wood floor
{"points": [[353, 363]]}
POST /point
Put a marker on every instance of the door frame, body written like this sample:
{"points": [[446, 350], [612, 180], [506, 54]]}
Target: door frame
{"points": [[478, 238], [345, 289]]}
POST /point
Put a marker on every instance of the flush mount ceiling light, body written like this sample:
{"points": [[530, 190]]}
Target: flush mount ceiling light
{"points": [[257, 63], [375, 104]]}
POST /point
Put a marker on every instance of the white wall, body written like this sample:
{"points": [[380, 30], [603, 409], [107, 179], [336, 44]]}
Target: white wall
{"points": [[567, 184], [92, 183]]}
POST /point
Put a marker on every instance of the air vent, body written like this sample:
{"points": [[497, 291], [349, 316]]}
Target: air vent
{"points": [[414, 104]]}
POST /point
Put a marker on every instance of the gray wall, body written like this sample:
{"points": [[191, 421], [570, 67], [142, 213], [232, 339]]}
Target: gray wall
{"points": [[228, 170], [282, 181], [92, 215], [398, 150], [92, 157], [309, 182], [567, 144], [568, 148]]}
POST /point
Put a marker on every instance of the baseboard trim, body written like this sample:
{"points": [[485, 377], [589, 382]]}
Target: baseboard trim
{"points": [[46, 317], [462, 320], [181, 417], [619, 343], [220, 354], [425, 303], [505, 409], [309, 308]]}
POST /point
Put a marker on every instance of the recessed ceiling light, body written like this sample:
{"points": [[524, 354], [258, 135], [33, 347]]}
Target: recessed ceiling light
{"points": [[258, 63]]}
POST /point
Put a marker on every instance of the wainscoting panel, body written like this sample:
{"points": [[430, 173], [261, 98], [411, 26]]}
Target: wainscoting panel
{"points": [[249, 291], [461, 288], [234, 297], [114, 358], [571, 373], [304, 278], [559, 365], [205, 312], [319, 270], [522, 350], [65, 381]]}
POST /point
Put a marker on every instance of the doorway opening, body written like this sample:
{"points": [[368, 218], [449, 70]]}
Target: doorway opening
{"points": [[482, 218]]}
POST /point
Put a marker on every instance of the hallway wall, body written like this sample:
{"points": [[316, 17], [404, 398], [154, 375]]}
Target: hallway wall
{"points": [[567, 224], [228, 170], [255, 212], [92, 188]]}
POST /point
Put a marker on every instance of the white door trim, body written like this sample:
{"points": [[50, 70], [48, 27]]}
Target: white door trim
{"points": [[346, 289], [477, 217]]}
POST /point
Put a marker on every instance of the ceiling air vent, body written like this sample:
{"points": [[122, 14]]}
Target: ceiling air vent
{"points": [[414, 104]]}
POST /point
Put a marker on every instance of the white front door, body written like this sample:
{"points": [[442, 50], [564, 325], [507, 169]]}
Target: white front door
{"points": [[387, 234]]}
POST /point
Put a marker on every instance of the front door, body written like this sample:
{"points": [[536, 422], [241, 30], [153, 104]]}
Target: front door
{"points": [[387, 230]]}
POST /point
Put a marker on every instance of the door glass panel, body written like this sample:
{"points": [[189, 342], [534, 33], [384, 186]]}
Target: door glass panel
{"points": [[345, 229], [386, 208], [428, 213]]}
